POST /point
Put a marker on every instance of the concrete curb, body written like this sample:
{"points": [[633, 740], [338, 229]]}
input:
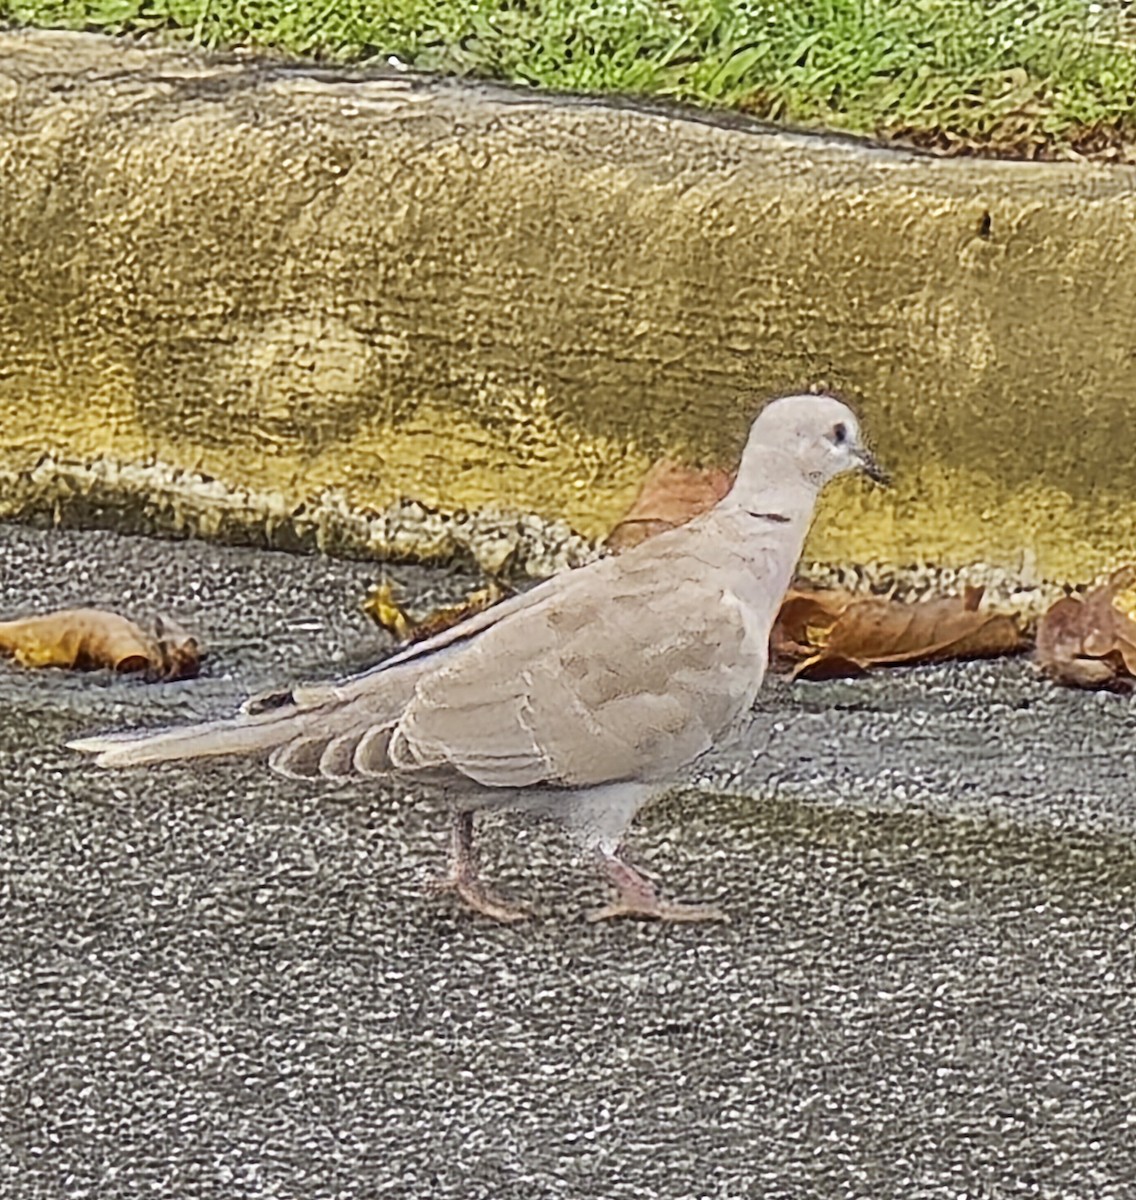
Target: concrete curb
{"points": [[292, 279]]}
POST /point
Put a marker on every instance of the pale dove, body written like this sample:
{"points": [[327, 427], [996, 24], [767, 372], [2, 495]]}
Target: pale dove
{"points": [[580, 699]]}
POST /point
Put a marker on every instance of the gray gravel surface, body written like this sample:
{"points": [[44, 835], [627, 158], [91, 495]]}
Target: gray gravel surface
{"points": [[214, 983]]}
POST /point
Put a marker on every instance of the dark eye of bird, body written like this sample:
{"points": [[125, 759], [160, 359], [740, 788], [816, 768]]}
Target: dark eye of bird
{"points": [[840, 434]]}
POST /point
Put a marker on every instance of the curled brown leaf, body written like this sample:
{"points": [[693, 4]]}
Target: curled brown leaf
{"points": [[805, 622], [382, 607], [671, 494], [1090, 641], [179, 652], [91, 639], [831, 634]]}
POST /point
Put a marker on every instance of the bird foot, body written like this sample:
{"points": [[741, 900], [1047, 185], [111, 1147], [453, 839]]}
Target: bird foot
{"points": [[476, 896], [637, 898], [659, 910], [462, 878]]}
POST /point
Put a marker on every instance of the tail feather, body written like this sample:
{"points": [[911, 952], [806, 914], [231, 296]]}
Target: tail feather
{"points": [[294, 726], [241, 734]]}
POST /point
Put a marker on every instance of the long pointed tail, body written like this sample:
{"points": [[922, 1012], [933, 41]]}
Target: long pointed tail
{"points": [[241, 734], [312, 714]]}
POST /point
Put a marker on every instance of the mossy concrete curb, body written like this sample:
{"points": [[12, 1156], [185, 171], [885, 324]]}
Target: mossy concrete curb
{"points": [[293, 279]]}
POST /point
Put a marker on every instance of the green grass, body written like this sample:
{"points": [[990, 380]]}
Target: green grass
{"points": [[1019, 76]]}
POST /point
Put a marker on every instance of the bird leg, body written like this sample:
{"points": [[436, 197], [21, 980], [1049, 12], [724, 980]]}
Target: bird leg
{"points": [[463, 880], [638, 898]]}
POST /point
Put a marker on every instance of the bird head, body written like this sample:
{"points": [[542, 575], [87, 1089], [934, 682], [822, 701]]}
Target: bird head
{"points": [[819, 433]]}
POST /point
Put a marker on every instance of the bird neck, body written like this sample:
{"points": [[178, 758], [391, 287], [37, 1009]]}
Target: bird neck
{"points": [[771, 485]]}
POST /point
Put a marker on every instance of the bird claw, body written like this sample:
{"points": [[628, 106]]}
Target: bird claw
{"points": [[636, 897], [480, 899]]}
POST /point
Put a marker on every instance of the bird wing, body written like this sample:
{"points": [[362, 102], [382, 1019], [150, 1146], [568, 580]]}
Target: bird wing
{"points": [[296, 724], [627, 668], [630, 680]]}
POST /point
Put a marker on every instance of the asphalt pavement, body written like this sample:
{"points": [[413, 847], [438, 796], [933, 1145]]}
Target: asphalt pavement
{"points": [[216, 983]]}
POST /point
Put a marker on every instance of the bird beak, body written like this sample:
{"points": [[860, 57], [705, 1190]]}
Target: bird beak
{"points": [[872, 469]]}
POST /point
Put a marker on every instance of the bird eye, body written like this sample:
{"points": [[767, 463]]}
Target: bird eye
{"points": [[840, 434]]}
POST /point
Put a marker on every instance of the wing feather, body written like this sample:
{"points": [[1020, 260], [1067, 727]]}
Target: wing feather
{"points": [[590, 687]]}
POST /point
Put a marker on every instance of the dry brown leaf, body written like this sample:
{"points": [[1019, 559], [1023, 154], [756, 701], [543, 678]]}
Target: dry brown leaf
{"points": [[671, 494], [179, 652], [831, 634], [1090, 641], [90, 639], [384, 609], [804, 622], [381, 607]]}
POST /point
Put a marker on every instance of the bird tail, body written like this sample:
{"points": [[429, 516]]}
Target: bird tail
{"points": [[240, 734], [366, 706]]}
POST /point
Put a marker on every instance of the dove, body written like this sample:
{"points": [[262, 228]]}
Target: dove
{"points": [[579, 700]]}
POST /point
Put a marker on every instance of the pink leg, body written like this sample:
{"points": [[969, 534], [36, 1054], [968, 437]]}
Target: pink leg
{"points": [[638, 898], [462, 877]]}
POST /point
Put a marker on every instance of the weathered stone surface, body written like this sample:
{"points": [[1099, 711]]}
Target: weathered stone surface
{"points": [[293, 278]]}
